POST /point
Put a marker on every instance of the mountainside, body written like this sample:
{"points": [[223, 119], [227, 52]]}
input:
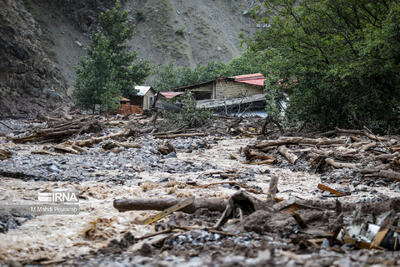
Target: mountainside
{"points": [[41, 41]]}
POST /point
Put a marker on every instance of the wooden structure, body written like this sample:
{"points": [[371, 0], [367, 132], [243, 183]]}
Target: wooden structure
{"points": [[144, 98], [227, 88], [126, 108]]}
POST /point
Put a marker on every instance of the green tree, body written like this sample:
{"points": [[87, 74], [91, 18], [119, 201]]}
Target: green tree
{"points": [[337, 60], [169, 77], [110, 69]]}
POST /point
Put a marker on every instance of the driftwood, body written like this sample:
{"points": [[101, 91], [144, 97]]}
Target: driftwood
{"points": [[361, 132], [292, 158], [387, 157], [180, 135], [166, 148], [299, 141], [252, 154], [5, 154], [162, 204], [96, 140], [388, 174], [356, 132], [339, 165], [61, 131]]}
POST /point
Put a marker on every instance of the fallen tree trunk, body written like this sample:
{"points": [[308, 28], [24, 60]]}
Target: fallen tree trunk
{"points": [[180, 135], [61, 131], [5, 154], [162, 204], [388, 174], [338, 165], [299, 141], [96, 140], [361, 132], [292, 158]]}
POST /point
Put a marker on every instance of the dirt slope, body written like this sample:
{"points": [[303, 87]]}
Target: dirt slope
{"points": [[42, 40]]}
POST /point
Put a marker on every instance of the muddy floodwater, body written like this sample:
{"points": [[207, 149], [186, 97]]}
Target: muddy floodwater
{"points": [[100, 176]]}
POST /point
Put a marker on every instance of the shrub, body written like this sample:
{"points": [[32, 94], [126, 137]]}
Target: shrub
{"points": [[191, 115], [344, 55]]}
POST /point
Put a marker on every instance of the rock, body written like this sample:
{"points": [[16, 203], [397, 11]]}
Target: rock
{"points": [[166, 148], [171, 155]]}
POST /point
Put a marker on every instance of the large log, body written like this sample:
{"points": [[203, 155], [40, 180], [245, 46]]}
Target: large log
{"points": [[96, 140], [180, 135], [299, 141], [162, 204], [361, 132], [292, 158], [5, 154], [338, 165], [388, 174]]}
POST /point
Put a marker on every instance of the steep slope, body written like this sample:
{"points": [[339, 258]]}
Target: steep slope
{"points": [[189, 32], [41, 41], [29, 81]]}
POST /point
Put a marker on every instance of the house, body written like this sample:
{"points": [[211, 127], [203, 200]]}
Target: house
{"points": [[227, 88], [144, 98], [126, 108]]}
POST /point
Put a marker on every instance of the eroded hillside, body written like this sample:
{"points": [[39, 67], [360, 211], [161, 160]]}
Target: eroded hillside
{"points": [[41, 41]]}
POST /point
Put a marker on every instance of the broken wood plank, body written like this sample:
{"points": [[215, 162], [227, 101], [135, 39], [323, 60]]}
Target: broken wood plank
{"points": [[292, 158], [331, 190]]}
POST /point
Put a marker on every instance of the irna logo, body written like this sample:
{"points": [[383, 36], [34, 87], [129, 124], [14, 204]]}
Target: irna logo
{"points": [[59, 196]]}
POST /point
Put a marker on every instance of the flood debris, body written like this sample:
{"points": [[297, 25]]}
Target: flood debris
{"points": [[221, 194], [5, 154], [166, 148]]}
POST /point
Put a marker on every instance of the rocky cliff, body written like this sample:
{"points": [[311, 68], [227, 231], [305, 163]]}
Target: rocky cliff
{"points": [[41, 41], [29, 81]]}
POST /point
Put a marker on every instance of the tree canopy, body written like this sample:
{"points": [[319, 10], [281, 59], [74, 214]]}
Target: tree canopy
{"points": [[337, 60], [169, 77], [110, 69]]}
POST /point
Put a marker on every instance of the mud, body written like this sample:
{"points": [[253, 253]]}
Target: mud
{"points": [[100, 235]]}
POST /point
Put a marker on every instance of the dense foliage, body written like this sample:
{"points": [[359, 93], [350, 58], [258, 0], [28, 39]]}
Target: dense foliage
{"points": [[169, 77], [111, 69], [337, 60]]}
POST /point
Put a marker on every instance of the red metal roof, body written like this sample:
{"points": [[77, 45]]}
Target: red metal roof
{"points": [[125, 99], [255, 79], [171, 94]]}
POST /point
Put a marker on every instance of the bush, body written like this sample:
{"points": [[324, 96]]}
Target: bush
{"points": [[344, 55], [189, 115], [192, 116]]}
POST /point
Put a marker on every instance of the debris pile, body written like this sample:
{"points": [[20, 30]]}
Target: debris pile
{"points": [[359, 154]]}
